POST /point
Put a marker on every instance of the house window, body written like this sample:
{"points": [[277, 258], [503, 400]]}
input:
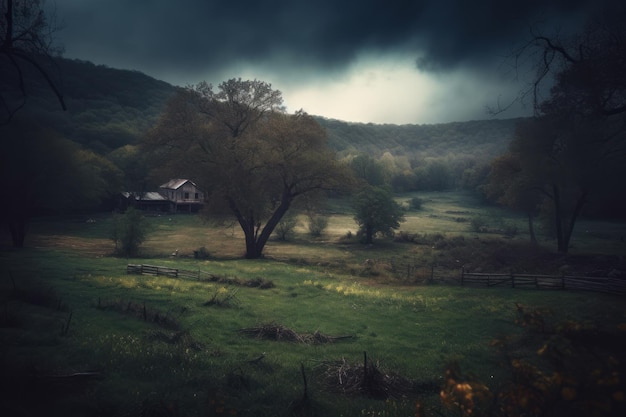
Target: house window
{"points": [[186, 196], [196, 196]]}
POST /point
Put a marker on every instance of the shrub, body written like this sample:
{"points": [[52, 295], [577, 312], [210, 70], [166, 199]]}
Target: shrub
{"points": [[317, 224], [347, 237], [478, 224], [405, 237], [201, 253], [510, 230], [129, 231], [416, 203], [285, 228]]}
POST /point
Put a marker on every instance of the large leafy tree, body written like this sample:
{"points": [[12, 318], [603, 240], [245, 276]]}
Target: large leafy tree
{"points": [[254, 161], [368, 170], [375, 211], [26, 44]]}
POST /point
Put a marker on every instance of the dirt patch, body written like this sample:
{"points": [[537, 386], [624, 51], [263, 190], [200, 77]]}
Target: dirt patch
{"points": [[89, 247]]}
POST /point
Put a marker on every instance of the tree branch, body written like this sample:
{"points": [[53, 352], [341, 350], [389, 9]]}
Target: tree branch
{"points": [[43, 72]]}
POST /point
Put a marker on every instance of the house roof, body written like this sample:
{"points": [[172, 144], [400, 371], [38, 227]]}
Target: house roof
{"points": [[149, 196], [176, 184]]}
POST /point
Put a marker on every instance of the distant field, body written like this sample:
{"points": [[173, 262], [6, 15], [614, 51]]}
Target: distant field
{"points": [[159, 345], [444, 215]]}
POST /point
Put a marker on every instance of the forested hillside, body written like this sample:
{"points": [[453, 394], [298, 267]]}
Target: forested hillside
{"points": [[109, 108], [109, 111], [487, 138]]}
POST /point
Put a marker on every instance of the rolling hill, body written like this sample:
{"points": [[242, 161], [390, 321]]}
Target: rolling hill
{"points": [[109, 108]]}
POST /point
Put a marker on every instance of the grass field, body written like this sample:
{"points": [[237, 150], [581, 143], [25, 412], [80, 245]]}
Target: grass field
{"points": [[81, 337]]}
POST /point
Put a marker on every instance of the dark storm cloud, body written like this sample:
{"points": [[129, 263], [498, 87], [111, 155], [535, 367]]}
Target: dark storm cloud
{"points": [[196, 36], [214, 34]]}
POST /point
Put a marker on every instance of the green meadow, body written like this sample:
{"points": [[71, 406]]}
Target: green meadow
{"points": [[80, 336]]}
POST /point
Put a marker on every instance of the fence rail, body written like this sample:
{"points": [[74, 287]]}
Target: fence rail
{"points": [[551, 282], [555, 282], [154, 270]]}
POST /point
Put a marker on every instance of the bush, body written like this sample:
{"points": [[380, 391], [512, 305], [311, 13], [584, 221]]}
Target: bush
{"points": [[405, 237], [129, 231], [510, 230], [285, 228], [347, 237], [201, 253], [317, 224], [416, 203], [478, 224]]}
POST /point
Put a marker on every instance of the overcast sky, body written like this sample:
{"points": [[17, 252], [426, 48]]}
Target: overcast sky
{"points": [[379, 61]]}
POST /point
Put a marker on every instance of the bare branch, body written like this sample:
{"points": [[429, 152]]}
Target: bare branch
{"points": [[28, 35], [44, 74]]}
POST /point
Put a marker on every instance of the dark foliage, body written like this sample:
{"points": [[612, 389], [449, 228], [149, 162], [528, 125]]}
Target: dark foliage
{"points": [[483, 137]]}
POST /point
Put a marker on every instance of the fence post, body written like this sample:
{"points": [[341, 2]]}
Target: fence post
{"points": [[512, 280]]}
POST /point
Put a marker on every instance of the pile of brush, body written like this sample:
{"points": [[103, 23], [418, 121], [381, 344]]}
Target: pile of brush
{"points": [[366, 379], [278, 332]]}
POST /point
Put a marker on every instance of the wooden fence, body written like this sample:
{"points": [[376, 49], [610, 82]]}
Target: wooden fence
{"points": [[552, 282], [167, 271]]}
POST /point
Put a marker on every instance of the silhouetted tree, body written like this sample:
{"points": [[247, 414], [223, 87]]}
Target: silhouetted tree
{"points": [[25, 42], [578, 134], [510, 185], [42, 172]]}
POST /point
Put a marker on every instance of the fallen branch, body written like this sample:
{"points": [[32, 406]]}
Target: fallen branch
{"points": [[258, 359], [366, 379], [77, 376], [274, 331]]}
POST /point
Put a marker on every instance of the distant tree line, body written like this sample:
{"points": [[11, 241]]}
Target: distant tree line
{"points": [[403, 175]]}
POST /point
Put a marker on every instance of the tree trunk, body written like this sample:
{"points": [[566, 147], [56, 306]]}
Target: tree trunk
{"points": [[561, 243], [251, 247], [270, 226], [369, 235], [247, 226], [567, 233], [17, 226], [564, 234], [531, 229]]}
